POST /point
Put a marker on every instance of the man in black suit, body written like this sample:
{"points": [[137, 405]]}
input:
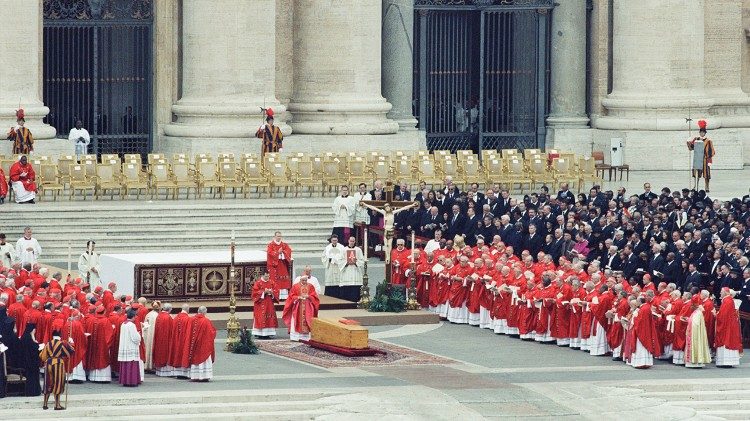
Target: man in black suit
{"points": [[431, 221], [671, 268], [450, 189], [597, 199], [694, 278], [470, 227], [629, 263], [656, 262], [456, 221], [443, 202], [565, 195], [557, 245], [477, 196], [636, 244], [647, 195], [533, 241], [515, 238], [502, 204], [613, 261]]}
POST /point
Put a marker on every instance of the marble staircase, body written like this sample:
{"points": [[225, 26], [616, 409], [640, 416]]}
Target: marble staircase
{"points": [[142, 226]]}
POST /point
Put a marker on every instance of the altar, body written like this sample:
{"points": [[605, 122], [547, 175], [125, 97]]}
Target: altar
{"points": [[196, 275]]}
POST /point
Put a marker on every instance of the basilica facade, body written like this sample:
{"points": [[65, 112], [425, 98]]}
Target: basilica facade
{"points": [[192, 76]]}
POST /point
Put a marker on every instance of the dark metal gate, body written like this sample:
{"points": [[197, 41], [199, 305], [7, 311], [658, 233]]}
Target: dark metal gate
{"points": [[481, 72], [97, 69]]}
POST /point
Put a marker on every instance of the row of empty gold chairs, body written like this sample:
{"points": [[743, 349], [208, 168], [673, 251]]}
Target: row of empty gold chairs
{"points": [[286, 173]]}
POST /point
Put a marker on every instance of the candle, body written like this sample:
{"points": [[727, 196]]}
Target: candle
{"points": [[233, 236], [70, 254], [365, 243], [412, 246]]}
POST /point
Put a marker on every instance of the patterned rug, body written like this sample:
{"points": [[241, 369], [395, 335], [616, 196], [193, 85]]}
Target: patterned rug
{"points": [[396, 355]]}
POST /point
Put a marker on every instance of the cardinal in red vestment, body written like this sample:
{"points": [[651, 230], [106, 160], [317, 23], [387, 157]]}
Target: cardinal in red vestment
{"points": [[201, 352], [279, 264], [265, 295], [163, 342], [728, 336], [97, 355], [179, 338], [299, 310], [74, 329], [23, 180], [647, 344], [17, 311], [399, 263]]}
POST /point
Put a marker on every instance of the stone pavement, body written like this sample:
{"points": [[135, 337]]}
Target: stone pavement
{"points": [[491, 376]]}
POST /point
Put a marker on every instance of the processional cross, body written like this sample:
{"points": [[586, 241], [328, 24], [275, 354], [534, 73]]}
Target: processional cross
{"points": [[388, 208]]}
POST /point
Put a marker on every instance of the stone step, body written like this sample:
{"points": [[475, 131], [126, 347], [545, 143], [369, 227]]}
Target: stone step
{"points": [[708, 388], [210, 396], [257, 409], [702, 395], [727, 414], [712, 405]]}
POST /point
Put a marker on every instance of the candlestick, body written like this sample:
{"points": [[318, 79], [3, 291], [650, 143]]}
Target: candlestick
{"points": [[70, 254], [233, 236], [412, 246], [366, 245]]}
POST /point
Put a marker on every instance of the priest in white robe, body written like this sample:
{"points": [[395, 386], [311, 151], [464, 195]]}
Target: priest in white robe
{"points": [[149, 327], [81, 137], [332, 258], [27, 248], [88, 265], [8, 253], [352, 269], [343, 213]]}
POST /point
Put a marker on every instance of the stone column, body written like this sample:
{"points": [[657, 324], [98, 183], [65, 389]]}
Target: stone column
{"points": [[568, 79], [398, 48], [337, 69], [21, 52], [657, 65], [228, 72]]}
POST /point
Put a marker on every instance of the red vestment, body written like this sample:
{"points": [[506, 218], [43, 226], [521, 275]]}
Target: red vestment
{"points": [[527, 312], [728, 332], [708, 314], [459, 285], [645, 330], [75, 329], [279, 264], [264, 311], [25, 174], [162, 340], [3, 185], [616, 332], [561, 328], [114, 348], [17, 311], [303, 304], [398, 271], [576, 314], [476, 288], [680, 327], [424, 279], [97, 352], [547, 296], [180, 337], [201, 341]]}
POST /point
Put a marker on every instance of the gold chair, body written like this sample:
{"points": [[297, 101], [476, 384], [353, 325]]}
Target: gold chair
{"points": [[87, 157], [106, 180], [426, 172], [224, 157], [471, 172], [161, 178], [183, 156], [563, 172], [517, 174], [540, 173], [107, 157], [505, 153], [254, 177], [494, 171], [280, 176], [357, 171], [154, 157], [184, 178], [449, 167], [129, 157], [403, 169], [231, 179], [208, 178], [587, 171], [381, 170], [527, 153], [79, 180], [90, 165], [332, 175], [63, 169], [49, 181], [306, 177], [133, 178]]}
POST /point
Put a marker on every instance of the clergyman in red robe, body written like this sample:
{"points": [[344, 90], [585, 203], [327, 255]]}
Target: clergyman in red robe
{"points": [[265, 295], [97, 355], [728, 336], [163, 342], [279, 264], [201, 353], [299, 310]]}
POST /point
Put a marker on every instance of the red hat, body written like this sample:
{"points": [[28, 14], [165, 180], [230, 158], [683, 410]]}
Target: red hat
{"points": [[84, 286], [128, 298], [696, 300], [100, 310], [269, 112], [12, 272], [67, 299], [75, 313], [647, 277], [98, 290], [726, 289], [702, 124], [662, 284], [111, 284], [20, 114]]}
